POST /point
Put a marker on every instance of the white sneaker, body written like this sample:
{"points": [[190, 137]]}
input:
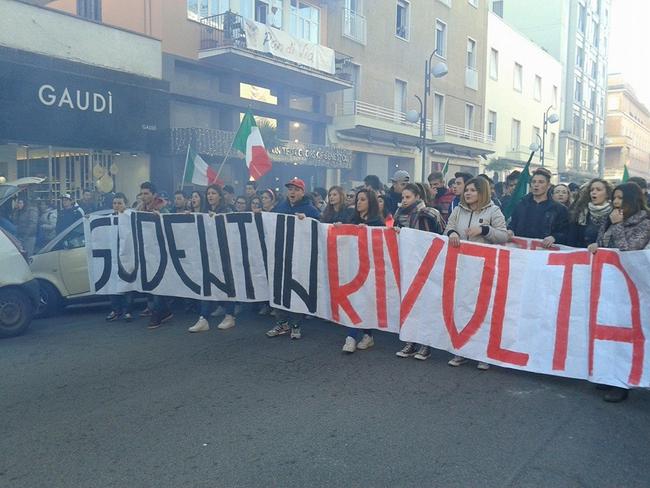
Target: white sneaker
{"points": [[228, 322], [482, 366], [350, 345], [200, 326], [218, 312], [366, 342]]}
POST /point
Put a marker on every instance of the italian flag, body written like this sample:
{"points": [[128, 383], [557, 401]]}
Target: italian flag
{"points": [[249, 142], [197, 171]]}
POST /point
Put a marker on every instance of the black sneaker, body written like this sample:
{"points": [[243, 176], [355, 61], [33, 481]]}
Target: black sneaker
{"points": [[616, 395], [112, 316], [157, 319], [423, 353], [407, 351]]}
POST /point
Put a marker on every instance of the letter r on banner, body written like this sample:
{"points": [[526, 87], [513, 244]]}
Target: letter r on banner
{"points": [[632, 335], [339, 293]]}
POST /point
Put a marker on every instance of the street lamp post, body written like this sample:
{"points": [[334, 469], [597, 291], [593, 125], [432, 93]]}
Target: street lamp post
{"points": [[438, 71], [548, 119]]}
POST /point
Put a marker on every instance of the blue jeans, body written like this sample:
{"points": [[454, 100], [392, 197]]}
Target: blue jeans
{"points": [[292, 318], [208, 306], [122, 304], [357, 334]]}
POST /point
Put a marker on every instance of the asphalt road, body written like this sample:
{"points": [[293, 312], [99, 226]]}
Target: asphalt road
{"points": [[90, 404]]}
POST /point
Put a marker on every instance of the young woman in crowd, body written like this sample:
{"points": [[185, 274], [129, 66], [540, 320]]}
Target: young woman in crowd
{"points": [[589, 212], [562, 194], [196, 202], [214, 205], [627, 229], [241, 204], [366, 212], [121, 305], [414, 214], [256, 204], [476, 219], [336, 210], [383, 211], [268, 200]]}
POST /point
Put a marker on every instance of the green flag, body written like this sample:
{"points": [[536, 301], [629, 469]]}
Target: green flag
{"points": [[445, 168], [520, 191], [626, 175]]}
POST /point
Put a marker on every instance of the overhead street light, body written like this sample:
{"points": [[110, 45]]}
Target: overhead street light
{"points": [[548, 119], [437, 71]]}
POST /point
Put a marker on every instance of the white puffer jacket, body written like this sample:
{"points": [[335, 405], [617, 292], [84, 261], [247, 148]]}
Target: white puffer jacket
{"points": [[488, 217]]}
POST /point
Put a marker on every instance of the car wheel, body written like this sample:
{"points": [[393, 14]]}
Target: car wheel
{"points": [[15, 312], [50, 301]]}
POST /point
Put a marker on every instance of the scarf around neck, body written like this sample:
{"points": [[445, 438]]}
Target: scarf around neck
{"points": [[597, 212]]}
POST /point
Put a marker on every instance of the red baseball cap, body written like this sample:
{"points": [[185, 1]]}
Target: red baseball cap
{"points": [[297, 182]]}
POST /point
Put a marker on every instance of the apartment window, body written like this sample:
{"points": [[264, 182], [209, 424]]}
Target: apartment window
{"points": [[400, 96], [582, 17], [580, 56], [402, 19], [577, 125], [592, 99], [594, 70], [536, 135], [441, 38], [492, 125], [469, 116], [578, 93], [518, 77], [537, 88], [354, 23], [473, 3], [90, 9], [590, 131], [471, 53], [552, 144], [497, 7], [198, 9], [438, 112], [515, 134], [595, 33], [304, 21], [554, 96], [494, 64]]}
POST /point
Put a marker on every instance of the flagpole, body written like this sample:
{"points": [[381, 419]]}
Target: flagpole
{"points": [[187, 156], [225, 158]]}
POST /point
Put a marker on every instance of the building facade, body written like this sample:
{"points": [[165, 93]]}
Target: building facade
{"points": [[84, 117], [224, 57], [388, 43], [523, 83], [627, 140], [574, 32]]}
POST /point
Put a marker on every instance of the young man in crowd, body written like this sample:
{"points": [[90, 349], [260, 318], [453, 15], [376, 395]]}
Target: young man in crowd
{"points": [[299, 205], [87, 202], [394, 195], [440, 194], [372, 182], [493, 195], [151, 202], [229, 197], [459, 187], [68, 214], [509, 187], [180, 202], [251, 189], [537, 216]]}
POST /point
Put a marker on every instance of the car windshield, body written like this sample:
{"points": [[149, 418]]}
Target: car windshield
{"points": [[7, 191]]}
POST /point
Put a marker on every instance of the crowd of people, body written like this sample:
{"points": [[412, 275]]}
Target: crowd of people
{"points": [[465, 208]]}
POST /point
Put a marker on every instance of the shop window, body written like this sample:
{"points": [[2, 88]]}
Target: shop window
{"points": [[90, 9], [301, 133], [298, 101], [257, 93]]}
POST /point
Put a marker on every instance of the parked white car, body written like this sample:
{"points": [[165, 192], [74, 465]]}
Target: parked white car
{"points": [[19, 293], [61, 268]]}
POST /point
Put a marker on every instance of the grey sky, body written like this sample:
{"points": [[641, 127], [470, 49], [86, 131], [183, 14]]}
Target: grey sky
{"points": [[629, 48]]}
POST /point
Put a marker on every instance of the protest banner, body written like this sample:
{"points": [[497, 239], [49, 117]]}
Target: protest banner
{"points": [[562, 311]]}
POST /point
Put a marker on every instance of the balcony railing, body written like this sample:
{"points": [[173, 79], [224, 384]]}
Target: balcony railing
{"points": [[463, 133], [471, 78], [357, 107], [229, 30], [354, 26]]}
